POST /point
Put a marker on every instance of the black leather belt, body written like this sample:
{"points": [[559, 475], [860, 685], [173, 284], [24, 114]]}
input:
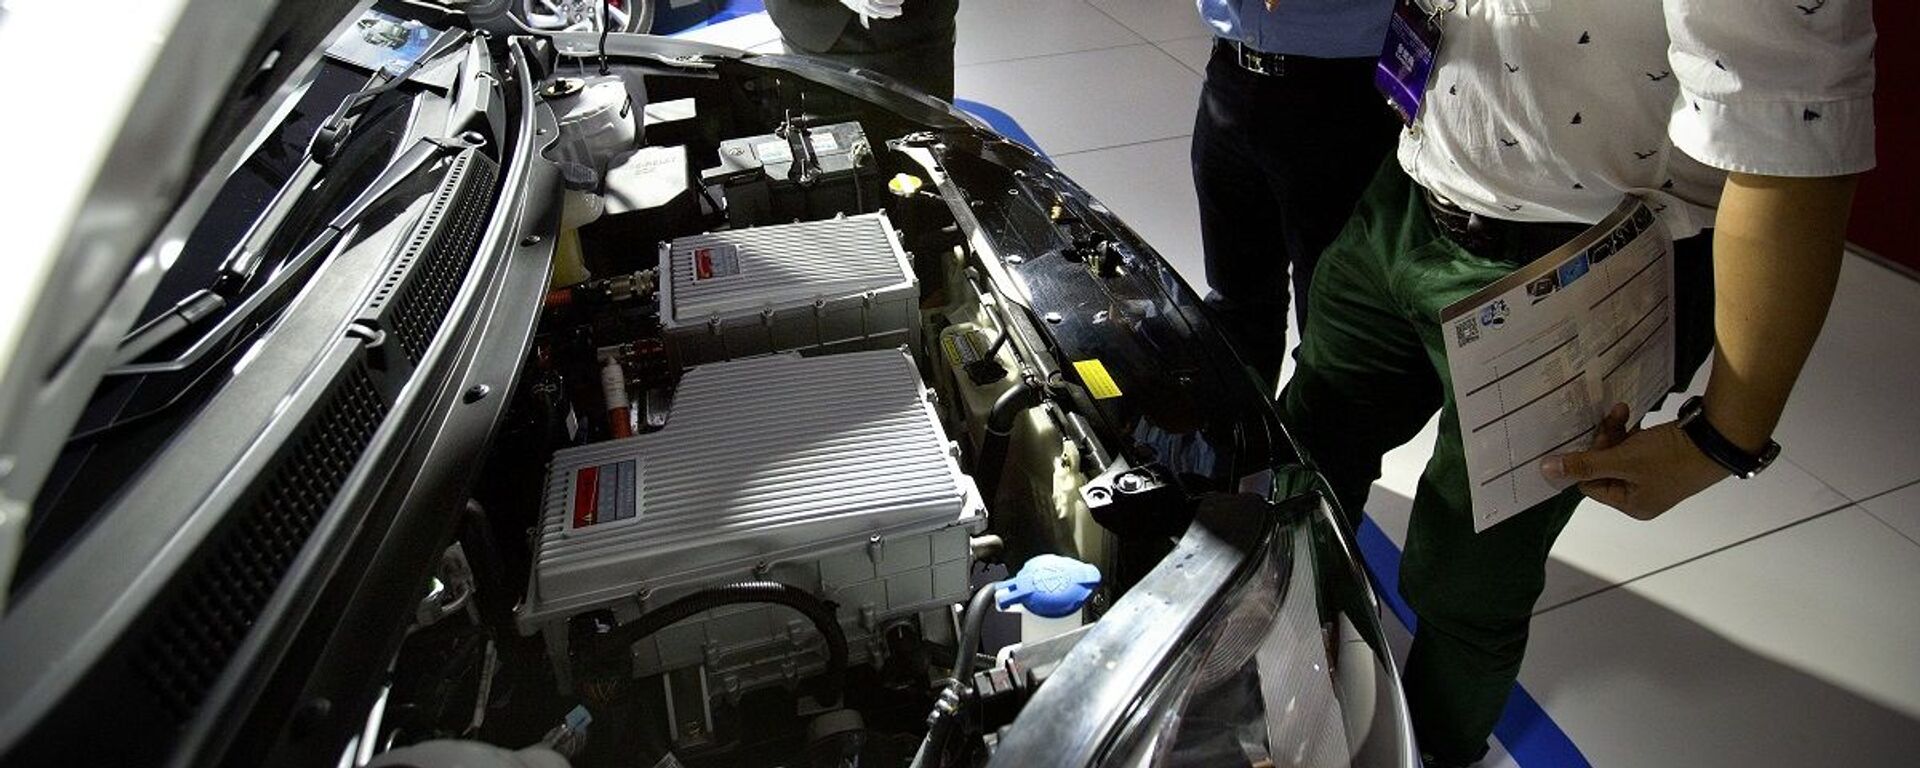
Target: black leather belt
{"points": [[1518, 242], [1279, 64]]}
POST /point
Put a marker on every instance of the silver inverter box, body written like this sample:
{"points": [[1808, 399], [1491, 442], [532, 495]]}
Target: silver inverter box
{"points": [[837, 283], [830, 473]]}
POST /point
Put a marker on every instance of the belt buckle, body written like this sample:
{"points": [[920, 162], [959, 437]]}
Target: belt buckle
{"points": [[1460, 225], [1252, 60]]}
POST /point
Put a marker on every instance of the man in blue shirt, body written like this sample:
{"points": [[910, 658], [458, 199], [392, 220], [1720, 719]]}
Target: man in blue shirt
{"points": [[1288, 133]]}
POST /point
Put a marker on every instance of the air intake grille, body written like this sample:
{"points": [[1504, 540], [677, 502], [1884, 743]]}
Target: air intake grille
{"points": [[434, 262], [200, 631]]}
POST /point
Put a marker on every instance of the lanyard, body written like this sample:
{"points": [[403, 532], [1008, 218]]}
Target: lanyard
{"points": [[1435, 10], [1406, 61]]}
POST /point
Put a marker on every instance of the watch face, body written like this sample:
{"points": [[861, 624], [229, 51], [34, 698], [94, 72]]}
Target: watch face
{"points": [[1717, 447], [1690, 410]]}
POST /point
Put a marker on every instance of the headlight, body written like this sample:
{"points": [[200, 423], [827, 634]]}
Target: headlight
{"points": [[1255, 642], [1282, 674]]}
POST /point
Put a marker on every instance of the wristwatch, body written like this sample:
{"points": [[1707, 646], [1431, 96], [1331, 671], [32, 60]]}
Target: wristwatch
{"points": [[1716, 446]]}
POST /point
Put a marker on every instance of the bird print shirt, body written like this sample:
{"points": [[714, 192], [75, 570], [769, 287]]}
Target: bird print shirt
{"points": [[1550, 110]]}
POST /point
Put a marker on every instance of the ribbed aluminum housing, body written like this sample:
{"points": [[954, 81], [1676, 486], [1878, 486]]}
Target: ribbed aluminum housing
{"points": [[736, 293], [830, 473]]}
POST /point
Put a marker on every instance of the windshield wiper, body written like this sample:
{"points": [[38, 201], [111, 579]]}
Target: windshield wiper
{"points": [[206, 301], [237, 270], [419, 156]]}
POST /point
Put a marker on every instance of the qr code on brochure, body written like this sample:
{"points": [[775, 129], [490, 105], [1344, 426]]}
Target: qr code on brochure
{"points": [[1466, 331]]}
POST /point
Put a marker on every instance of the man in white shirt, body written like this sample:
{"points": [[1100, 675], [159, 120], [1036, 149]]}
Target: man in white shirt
{"points": [[1741, 121]]}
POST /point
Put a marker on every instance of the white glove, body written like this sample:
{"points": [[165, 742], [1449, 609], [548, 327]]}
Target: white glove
{"points": [[874, 9]]}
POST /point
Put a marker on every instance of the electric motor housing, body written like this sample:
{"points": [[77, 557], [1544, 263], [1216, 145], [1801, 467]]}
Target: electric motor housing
{"points": [[828, 473], [819, 286]]}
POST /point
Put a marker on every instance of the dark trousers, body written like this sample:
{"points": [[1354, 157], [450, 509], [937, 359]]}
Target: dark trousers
{"points": [[1371, 371], [1278, 161]]}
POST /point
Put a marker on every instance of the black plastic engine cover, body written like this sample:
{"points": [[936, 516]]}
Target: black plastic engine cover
{"points": [[1097, 292]]}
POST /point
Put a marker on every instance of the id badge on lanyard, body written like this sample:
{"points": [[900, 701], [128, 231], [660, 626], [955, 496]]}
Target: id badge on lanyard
{"points": [[1406, 61]]}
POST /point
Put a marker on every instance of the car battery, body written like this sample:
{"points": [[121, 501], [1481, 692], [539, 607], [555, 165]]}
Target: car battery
{"points": [[769, 178], [843, 283]]}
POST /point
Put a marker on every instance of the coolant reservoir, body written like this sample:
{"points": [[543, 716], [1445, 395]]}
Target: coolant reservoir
{"points": [[596, 124], [1048, 593], [578, 209], [569, 262]]}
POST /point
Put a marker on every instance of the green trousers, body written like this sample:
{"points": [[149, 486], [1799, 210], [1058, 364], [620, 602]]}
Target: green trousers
{"points": [[1371, 371]]}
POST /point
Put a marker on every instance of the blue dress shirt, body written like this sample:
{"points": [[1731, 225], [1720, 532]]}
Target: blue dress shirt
{"points": [[1327, 29]]}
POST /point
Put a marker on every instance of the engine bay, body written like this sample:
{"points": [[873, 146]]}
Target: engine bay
{"points": [[776, 428], [615, 400]]}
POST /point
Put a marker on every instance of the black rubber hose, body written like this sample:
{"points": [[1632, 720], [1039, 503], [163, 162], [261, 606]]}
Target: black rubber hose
{"points": [[606, 21], [614, 646], [999, 434], [946, 711], [490, 592], [970, 631]]}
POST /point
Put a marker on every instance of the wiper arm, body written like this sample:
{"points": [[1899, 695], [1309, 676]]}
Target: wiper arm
{"points": [[235, 271], [206, 301], [419, 156], [243, 262], [338, 127]]}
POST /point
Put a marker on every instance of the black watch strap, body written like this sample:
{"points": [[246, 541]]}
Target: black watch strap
{"points": [[1716, 446]]}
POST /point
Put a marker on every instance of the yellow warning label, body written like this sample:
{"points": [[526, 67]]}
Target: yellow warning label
{"points": [[1099, 383]]}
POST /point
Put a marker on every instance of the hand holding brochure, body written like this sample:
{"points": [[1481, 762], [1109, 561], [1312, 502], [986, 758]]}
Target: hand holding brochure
{"points": [[1537, 358]]}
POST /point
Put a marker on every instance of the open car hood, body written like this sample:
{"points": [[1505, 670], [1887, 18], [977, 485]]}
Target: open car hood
{"points": [[139, 159], [116, 170]]}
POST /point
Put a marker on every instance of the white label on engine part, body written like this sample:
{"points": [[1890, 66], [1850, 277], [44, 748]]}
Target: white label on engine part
{"points": [[711, 261], [771, 152], [606, 493], [779, 151]]}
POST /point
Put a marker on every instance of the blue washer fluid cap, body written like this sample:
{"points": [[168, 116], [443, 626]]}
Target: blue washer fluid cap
{"points": [[1050, 586]]}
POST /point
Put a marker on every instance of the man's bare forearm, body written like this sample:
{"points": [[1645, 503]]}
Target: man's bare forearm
{"points": [[1777, 247]]}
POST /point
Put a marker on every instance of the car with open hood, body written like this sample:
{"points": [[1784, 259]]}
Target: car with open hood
{"points": [[399, 385]]}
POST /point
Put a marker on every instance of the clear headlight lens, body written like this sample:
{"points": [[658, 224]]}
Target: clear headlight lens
{"points": [[1281, 675]]}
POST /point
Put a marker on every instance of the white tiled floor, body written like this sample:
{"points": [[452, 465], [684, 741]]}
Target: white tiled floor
{"points": [[1771, 623], [1796, 649], [1191, 51], [1900, 510], [1152, 96], [1000, 30], [1155, 20]]}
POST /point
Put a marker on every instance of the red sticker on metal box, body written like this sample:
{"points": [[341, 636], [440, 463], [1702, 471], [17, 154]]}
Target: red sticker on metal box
{"points": [[586, 497], [605, 493], [714, 261]]}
